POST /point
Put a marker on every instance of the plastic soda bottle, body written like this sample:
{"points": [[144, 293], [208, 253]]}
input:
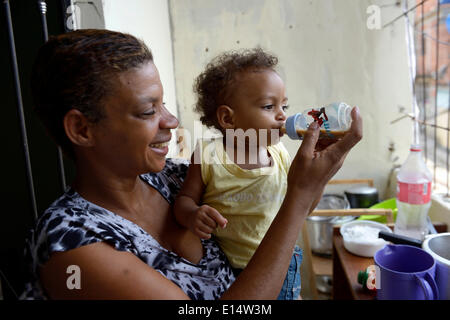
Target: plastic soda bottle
{"points": [[334, 121], [413, 196]]}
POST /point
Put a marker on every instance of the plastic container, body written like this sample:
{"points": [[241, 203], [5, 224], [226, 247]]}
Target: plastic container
{"points": [[406, 273], [413, 196], [334, 120], [387, 204], [365, 246]]}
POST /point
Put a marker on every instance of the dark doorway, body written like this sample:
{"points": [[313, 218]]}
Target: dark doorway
{"points": [[16, 211]]}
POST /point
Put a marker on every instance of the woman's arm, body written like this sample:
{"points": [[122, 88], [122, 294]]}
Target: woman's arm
{"points": [[105, 273]]}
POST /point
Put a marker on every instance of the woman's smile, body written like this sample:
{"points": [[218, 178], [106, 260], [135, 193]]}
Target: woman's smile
{"points": [[160, 148]]}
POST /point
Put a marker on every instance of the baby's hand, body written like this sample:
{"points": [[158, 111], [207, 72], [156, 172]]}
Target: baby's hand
{"points": [[205, 220]]}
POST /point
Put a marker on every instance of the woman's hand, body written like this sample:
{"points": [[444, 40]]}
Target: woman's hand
{"points": [[312, 169]]}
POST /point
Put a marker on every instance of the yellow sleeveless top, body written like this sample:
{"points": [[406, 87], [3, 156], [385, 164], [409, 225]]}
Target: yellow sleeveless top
{"points": [[248, 199]]}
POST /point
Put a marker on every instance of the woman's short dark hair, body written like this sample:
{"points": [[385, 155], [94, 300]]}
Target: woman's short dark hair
{"points": [[76, 70], [212, 85]]}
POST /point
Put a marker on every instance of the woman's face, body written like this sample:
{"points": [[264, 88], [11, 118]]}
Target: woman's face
{"points": [[133, 138]]}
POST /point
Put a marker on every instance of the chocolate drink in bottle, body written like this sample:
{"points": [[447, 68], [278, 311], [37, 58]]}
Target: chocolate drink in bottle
{"points": [[334, 121]]}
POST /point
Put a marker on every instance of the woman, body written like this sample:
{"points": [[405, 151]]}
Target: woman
{"points": [[100, 96]]}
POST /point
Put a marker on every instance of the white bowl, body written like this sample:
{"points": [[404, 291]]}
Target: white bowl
{"points": [[364, 247]]}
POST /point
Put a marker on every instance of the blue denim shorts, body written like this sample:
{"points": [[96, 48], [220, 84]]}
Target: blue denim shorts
{"points": [[292, 283]]}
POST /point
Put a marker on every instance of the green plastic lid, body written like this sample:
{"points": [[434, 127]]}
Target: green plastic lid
{"points": [[387, 204]]}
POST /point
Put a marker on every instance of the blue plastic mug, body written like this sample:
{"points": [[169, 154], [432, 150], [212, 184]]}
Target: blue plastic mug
{"points": [[406, 272]]}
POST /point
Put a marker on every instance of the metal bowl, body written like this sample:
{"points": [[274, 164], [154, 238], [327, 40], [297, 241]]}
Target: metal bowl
{"points": [[320, 228]]}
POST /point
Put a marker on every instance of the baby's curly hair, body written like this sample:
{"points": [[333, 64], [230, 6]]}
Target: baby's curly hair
{"points": [[212, 85]]}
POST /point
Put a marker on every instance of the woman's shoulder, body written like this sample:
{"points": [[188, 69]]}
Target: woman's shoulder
{"points": [[68, 223], [72, 222], [70, 209]]}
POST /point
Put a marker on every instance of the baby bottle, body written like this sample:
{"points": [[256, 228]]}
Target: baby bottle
{"points": [[334, 121]]}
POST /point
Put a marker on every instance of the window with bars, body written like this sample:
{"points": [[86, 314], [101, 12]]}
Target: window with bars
{"points": [[432, 86]]}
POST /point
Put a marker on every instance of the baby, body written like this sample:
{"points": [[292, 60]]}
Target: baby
{"points": [[236, 183]]}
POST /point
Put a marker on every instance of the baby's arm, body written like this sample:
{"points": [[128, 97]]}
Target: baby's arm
{"points": [[200, 219]]}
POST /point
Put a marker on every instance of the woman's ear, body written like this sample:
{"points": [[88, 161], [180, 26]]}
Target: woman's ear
{"points": [[78, 128], [225, 117]]}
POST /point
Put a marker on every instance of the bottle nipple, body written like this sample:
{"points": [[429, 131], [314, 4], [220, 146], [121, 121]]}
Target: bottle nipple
{"points": [[293, 125]]}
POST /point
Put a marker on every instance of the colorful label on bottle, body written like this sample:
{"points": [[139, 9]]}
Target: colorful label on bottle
{"points": [[414, 193], [320, 116]]}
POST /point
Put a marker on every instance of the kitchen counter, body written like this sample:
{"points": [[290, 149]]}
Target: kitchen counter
{"points": [[347, 265]]}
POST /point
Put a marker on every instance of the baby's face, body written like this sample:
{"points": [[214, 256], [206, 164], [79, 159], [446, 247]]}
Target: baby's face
{"points": [[259, 102]]}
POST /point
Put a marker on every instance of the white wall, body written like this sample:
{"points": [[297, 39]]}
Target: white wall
{"points": [[326, 54], [88, 15], [149, 21]]}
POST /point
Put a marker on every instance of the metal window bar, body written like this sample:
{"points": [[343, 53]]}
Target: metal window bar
{"points": [[42, 6], [405, 13], [448, 140], [425, 122], [424, 109], [436, 95], [433, 38], [412, 65], [23, 129]]}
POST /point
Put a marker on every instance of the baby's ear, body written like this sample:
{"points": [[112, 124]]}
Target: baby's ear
{"points": [[225, 117]]}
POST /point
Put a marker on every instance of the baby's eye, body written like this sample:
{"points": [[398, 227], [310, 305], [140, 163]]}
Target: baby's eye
{"points": [[285, 107], [268, 107]]}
